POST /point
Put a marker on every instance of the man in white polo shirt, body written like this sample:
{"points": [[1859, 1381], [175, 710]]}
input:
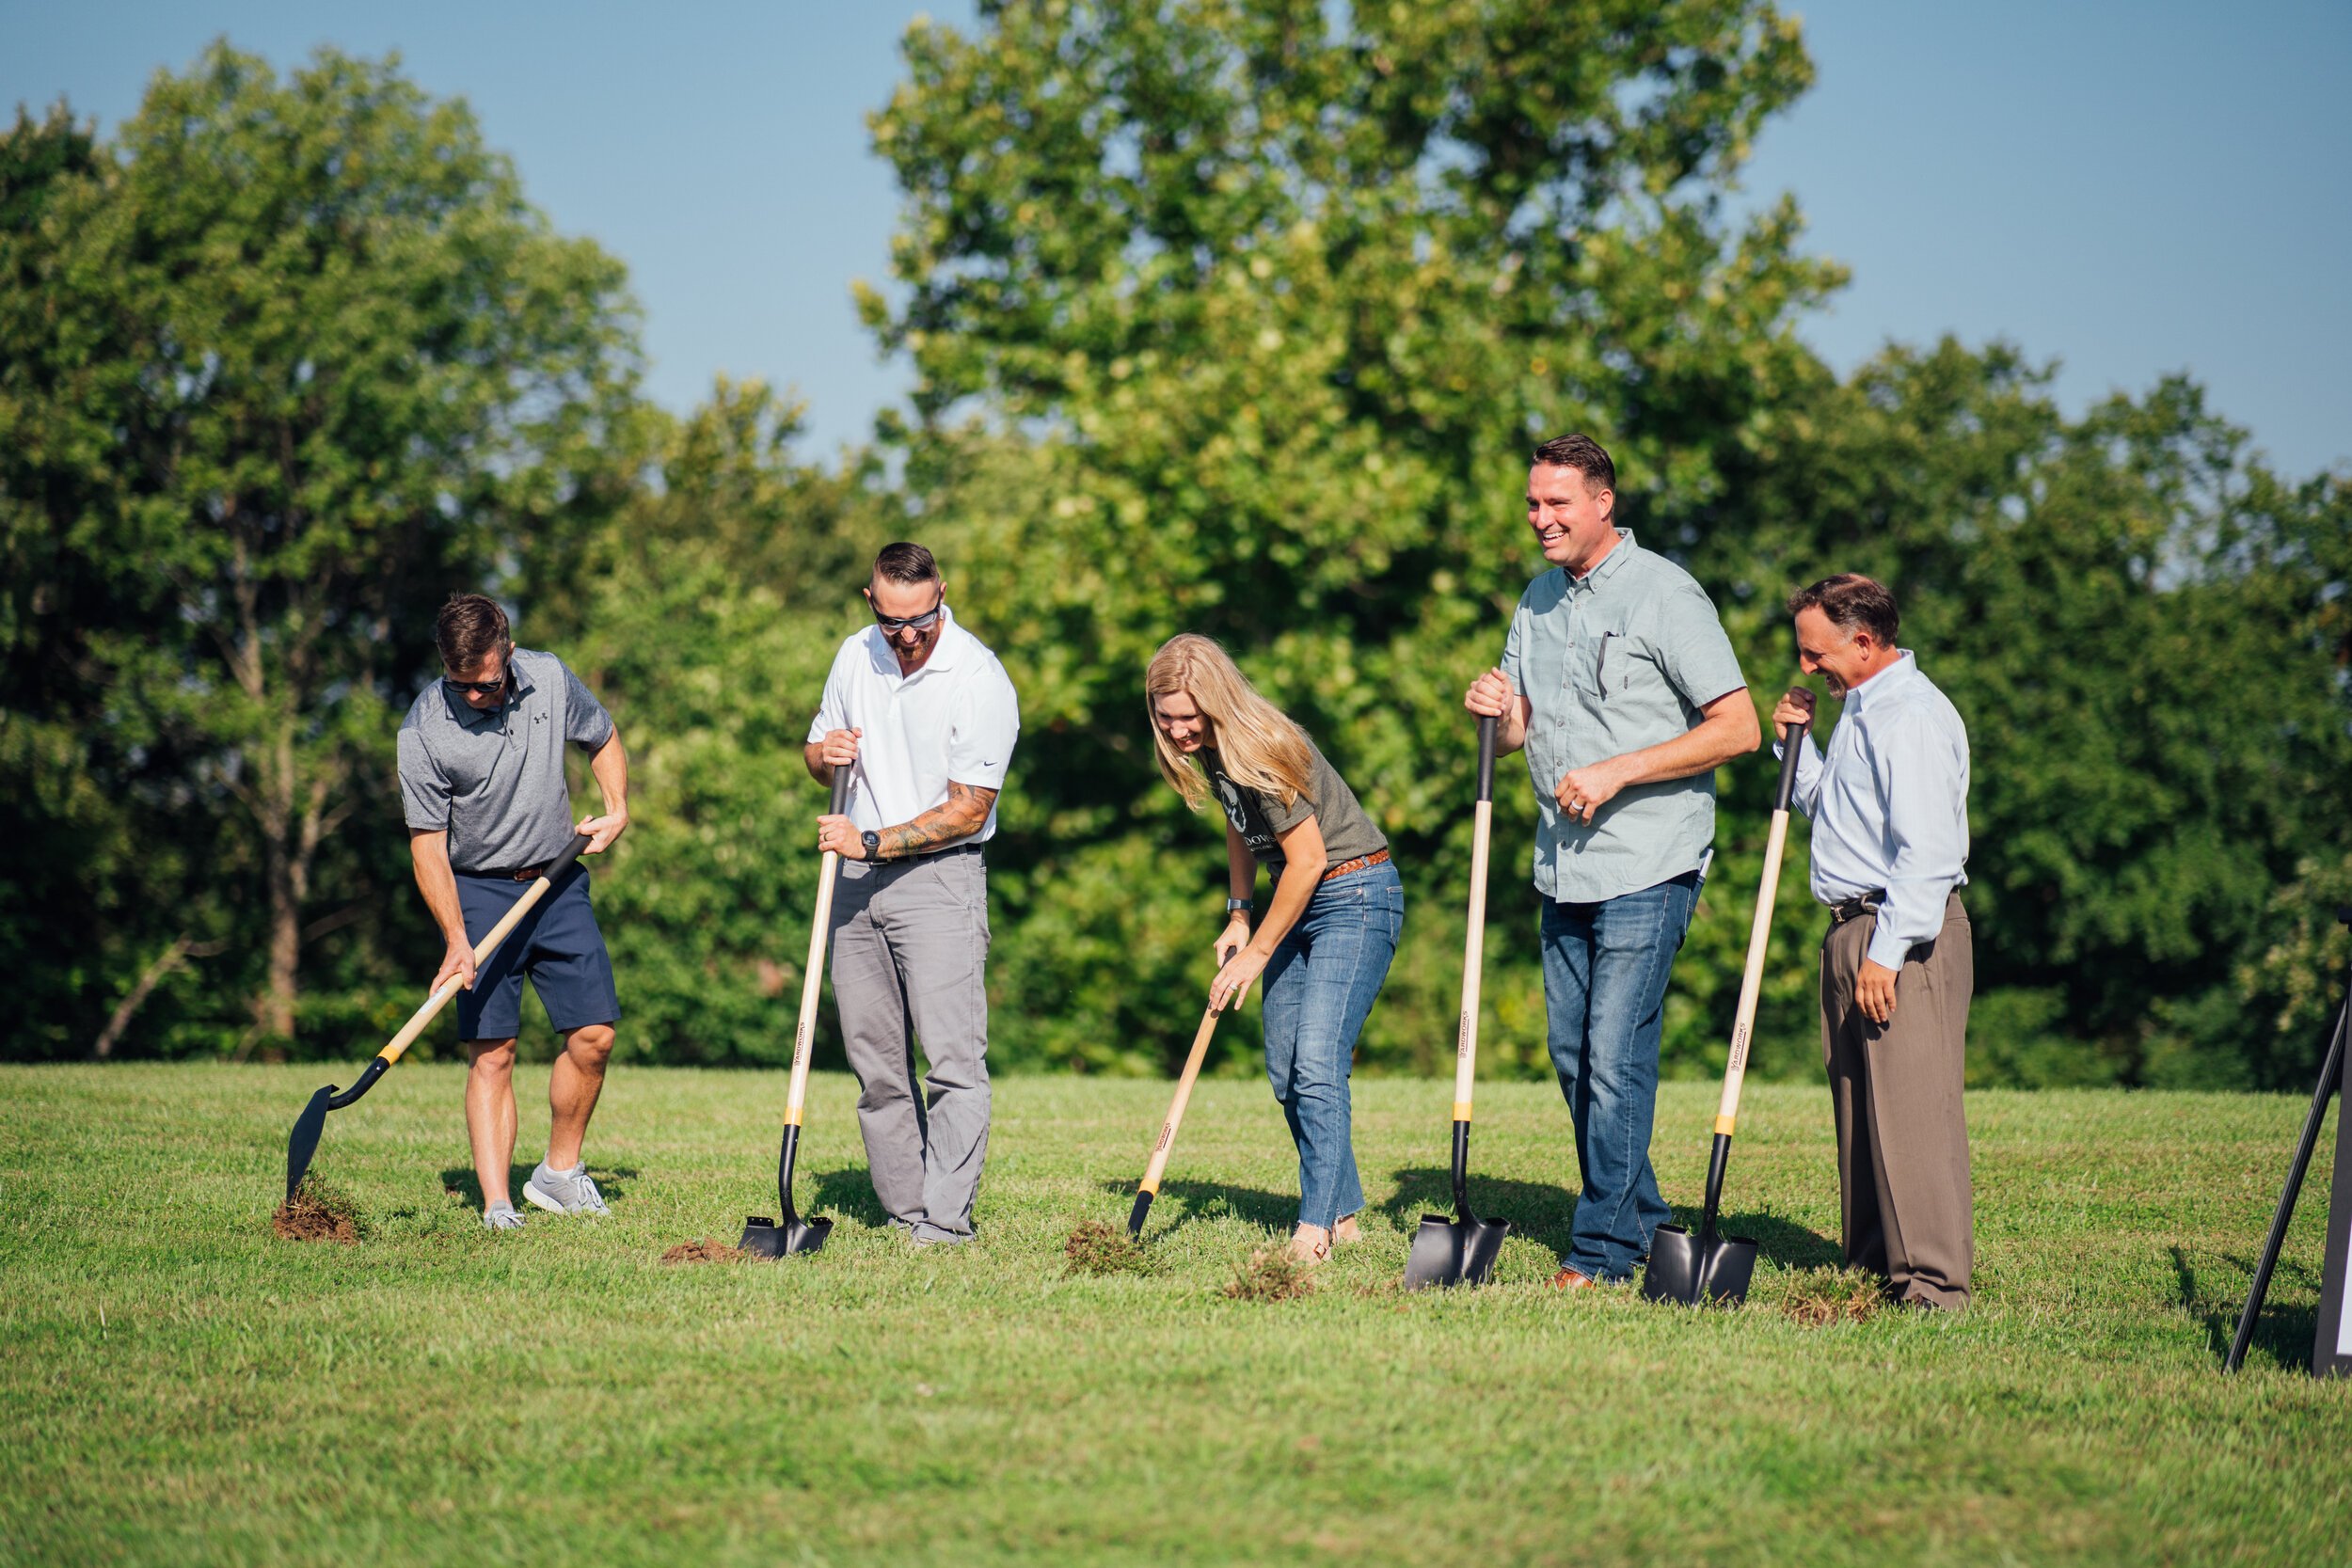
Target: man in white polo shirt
{"points": [[928, 719]]}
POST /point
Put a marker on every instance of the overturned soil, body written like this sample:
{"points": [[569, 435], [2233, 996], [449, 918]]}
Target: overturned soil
{"points": [[707, 1250], [316, 1215], [1271, 1273], [1818, 1297], [1099, 1247]]}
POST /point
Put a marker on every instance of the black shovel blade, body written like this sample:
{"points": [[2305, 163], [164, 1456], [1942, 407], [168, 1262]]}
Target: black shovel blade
{"points": [[1454, 1252], [765, 1238], [302, 1142], [1683, 1269]]}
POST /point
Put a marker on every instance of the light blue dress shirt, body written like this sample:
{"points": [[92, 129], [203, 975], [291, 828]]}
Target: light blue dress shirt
{"points": [[1623, 658], [1889, 805]]}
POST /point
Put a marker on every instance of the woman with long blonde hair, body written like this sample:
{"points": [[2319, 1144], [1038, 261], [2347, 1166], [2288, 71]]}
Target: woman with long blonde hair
{"points": [[1331, 927]]}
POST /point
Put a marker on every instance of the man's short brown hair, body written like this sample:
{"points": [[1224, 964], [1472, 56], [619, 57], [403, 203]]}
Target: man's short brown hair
{"points": [[470, 629], [905, 563], [1852, 603], [1583, 454]]}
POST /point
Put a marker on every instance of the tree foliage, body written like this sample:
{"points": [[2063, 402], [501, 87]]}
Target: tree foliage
{"points": [[285, 362]]}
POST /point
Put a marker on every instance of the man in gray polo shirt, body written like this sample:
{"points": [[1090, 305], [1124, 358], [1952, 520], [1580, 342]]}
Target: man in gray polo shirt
{"points": [[1619, 682], [481, 785]]}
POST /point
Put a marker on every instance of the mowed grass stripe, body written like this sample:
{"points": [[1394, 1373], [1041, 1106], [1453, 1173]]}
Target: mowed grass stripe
{"points": [[175, 1385]]}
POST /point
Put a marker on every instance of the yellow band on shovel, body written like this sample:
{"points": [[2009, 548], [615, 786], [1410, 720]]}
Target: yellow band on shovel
{"points": [[792, 1115], [1461, 1109], [1723, 1126]]}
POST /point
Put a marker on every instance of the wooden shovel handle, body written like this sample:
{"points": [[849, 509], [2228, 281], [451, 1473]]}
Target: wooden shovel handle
{"points": [[813, 973], [1474, 944], [1158, 1166], [483, 949], [1759, 938]]}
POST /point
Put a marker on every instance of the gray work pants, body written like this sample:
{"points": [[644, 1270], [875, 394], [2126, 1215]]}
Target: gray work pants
{"points": [[910, 961], [1895, 1090]]}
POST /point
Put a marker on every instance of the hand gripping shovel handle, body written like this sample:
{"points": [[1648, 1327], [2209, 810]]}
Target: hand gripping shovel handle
{"points": [[304, 1141], [1473, 955], [1751, 983], [450, 988], [1150, 1187]]}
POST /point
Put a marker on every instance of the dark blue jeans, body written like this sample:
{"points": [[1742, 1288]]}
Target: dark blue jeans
{"points": [[1605, 972], [1320, 986]]}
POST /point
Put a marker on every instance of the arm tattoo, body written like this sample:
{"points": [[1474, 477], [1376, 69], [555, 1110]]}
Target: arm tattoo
{"points": [[962, 815]]}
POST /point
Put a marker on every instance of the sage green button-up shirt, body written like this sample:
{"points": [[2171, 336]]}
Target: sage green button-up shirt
{"points": [[1623, 658]]}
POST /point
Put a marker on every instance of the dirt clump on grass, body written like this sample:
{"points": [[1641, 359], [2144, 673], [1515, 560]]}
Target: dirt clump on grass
{"points": [[1099, 1247], [1271, 1273], [707, 1250], [317, 1212], [1818, 1297]]}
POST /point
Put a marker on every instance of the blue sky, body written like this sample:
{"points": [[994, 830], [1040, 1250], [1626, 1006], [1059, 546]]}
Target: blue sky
{"points": [[2130, 189]]}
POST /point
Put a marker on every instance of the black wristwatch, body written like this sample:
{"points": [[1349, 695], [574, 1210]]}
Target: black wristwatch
{"points": [[872, 841], [1239, 906]]}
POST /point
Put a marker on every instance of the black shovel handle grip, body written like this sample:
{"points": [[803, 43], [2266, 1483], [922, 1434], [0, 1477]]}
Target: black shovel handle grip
{"points": [[1488, 725], [840, 790], [563, 863], [1791, 742]]}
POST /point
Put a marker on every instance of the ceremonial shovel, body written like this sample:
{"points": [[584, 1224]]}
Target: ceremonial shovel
{"points": [[1462, 1250], [1693, 1269], [304, 1141], [780, 1238], [1151, 1172]]}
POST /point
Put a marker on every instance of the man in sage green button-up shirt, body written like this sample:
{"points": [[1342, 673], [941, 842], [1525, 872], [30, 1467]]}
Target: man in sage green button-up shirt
{"points": [[1617, 679]]}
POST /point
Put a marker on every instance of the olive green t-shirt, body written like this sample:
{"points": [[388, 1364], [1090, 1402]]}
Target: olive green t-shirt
{"points": [[1261, 819]]}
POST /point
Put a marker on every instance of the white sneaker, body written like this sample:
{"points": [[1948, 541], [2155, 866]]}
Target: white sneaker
{"points": [[564, 1192]]}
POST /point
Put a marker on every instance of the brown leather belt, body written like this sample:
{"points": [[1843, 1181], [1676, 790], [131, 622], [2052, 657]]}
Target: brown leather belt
{"points": [[1378, 857]]}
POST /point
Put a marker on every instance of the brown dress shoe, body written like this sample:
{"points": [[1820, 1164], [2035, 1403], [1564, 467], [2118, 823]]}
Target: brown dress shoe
{"points": [[1568, 1279]]}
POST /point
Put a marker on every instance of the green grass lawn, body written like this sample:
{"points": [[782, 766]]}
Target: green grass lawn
{"points": [[177, 1386]]}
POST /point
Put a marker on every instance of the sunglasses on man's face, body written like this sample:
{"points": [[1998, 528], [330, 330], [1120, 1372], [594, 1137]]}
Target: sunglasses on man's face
{"points": [[893, 625], [487, 689]]}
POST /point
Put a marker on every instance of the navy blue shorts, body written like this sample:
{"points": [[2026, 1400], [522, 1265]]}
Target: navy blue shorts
{"points": [[557, 944]]}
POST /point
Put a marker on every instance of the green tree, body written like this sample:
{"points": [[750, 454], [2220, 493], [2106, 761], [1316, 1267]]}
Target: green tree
{"points": [[705, 615], [287, 362], [1259, 306]]}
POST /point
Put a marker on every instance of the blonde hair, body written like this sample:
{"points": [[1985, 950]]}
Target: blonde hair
{"points": [[1257, 744]]}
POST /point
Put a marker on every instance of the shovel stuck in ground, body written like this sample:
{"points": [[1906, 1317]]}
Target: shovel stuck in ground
{"points": [[304, 1141], [1711, 1267], [1153, 1171], [782, 1237], [1462, 1250]]}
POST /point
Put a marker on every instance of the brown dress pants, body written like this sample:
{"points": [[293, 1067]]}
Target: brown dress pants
{"points": [[1903, 1143]]}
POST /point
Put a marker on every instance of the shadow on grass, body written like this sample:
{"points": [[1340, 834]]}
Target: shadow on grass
{"points": [[612, 1180], [845, 1194], [2283, 1333], [1210, 1200], [1545, 1213]]}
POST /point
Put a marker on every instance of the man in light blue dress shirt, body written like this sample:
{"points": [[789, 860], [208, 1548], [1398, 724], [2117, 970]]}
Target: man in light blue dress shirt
{"points": [[1617, 679], [1889, 804]]}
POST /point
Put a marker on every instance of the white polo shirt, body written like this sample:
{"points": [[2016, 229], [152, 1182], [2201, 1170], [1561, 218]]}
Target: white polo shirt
{"points": [[954, 719]]}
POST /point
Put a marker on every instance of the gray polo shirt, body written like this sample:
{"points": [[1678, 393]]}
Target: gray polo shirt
{"points": [[1620, 658], [495, 780]]}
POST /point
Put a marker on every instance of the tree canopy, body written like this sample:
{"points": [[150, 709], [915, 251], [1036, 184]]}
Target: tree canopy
{"points": [[1232, 316]]}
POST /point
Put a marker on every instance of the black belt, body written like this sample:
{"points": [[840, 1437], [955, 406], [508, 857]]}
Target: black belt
{"points": [[1856, 907], [519, 874]]}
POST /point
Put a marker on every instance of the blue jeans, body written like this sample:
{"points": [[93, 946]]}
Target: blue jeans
{"points": [[1319, 989], [1605, 972]]}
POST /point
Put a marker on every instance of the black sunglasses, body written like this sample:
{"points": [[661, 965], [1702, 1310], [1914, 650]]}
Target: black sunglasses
{"points": [[916, 623], [487, 689]]}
